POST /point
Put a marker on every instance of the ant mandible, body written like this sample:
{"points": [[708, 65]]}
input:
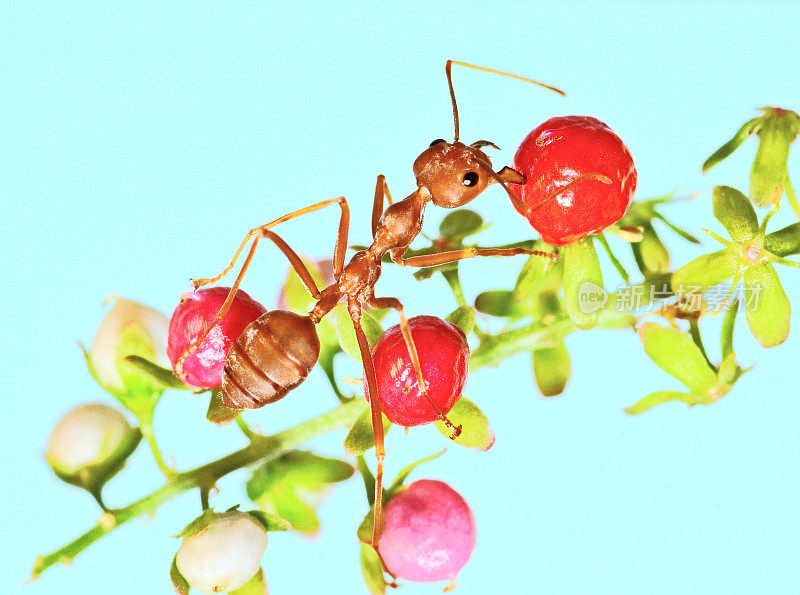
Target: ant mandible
{"points": [[276, 352]]}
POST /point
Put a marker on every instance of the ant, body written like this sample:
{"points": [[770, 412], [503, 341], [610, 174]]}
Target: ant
{"points": [[277, 351]]}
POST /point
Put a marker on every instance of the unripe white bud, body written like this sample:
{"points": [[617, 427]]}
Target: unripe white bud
{"points": [[90, 441], [124, 317], [225, 554]]}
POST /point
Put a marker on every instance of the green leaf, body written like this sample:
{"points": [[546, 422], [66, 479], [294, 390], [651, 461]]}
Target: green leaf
{"points": [[498, 302], [297, 297], [270, 522], [676, 353], [347, 334], [735, 212], [217, 412], [729, 372], [305, 468], [463, 317], [681, 232], [475, 430], [255, 586], [533, 273], [551, 369], [461, 224], [88, 358], [704, 272], [650, 253], [583, 283], [367, 477], [659, 397], [197, 524], [729, 147], [728, 323], [360, 438], [613, 258], [160, 377], [769, 166], [291, 486], [768, 309], [372, 569], [364, 531], [141, 393], [180, 584], [403, 475], [784, 242]]}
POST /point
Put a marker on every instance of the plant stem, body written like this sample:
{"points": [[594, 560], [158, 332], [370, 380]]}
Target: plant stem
{"points": [[146, 427], [694, 331], [612, 257], [261, 448], [455, 285], [246, 429]]}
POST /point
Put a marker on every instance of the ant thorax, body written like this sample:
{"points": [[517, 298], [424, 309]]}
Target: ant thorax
{"points": [[400, 224]]}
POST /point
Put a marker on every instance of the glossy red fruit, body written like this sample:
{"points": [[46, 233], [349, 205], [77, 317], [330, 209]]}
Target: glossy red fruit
{"points": [[429, 532], [443, 354], [560, 151], [196, 310]]}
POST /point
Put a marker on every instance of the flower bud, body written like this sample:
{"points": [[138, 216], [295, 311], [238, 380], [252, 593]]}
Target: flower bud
{"points": [[90, 444], [129, 328], [221, 551]]}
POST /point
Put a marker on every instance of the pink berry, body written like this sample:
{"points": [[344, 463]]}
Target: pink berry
{"points": [[443, 355], [429, 532], [196, 310]]}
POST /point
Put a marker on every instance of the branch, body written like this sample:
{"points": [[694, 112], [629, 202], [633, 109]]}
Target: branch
{"points": [[262, 448]]}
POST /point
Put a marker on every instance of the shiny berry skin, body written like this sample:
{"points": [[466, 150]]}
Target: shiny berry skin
{"points": [[224, 555], [558, 152], [443, 354], [196, 310], [429, 532]]}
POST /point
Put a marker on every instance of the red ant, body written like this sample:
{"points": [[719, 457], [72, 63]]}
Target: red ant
{"points": [[277, 351]]}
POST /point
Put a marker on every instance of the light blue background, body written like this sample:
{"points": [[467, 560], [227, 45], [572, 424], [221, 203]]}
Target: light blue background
{"points": [[140, 141]]}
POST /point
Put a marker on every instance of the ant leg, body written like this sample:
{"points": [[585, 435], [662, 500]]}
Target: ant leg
{"points": [[341, 200], [377, 427], [430, 260], [389, 302], [381, 192], [296, 263]]}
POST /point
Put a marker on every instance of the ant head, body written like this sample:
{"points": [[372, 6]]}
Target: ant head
{"points": [[456, 173]]}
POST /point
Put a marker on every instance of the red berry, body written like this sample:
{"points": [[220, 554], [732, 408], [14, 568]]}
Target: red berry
{"points": [[196, 310], [560, 151], [443, 355], [429, 532]]}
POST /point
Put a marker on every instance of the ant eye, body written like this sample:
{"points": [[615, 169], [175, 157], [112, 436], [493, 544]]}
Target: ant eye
{"points": [[437, 141], [470, 178]]}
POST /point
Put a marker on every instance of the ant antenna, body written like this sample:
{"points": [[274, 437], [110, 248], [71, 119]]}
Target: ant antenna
{"points": [[513, 76]]}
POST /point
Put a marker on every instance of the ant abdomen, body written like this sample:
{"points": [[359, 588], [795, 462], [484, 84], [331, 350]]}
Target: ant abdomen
{"points": [[272, 356]]}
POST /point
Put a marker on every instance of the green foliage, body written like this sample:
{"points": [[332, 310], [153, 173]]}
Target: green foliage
{"points": [[776, 129], [583, 281], [372, 569], [551, 368], [475, 430], [291, 486], [360, 438], [463, 317], [255, 586], [683, 358]]}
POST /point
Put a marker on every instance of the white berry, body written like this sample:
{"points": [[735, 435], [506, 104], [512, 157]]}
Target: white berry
{"points": [[225, 555]]}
